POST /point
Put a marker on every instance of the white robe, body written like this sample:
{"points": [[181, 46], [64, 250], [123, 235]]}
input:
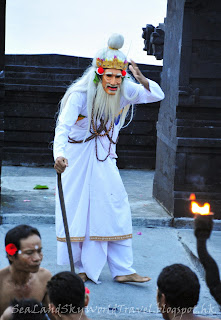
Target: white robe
{"points": [[95, 197]]}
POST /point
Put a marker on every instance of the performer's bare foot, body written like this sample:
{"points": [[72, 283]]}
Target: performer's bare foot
{"points": [[83, 276], [134, 277]]}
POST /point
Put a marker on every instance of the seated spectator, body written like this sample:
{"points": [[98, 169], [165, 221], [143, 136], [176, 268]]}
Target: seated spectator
{"points": [[67, 296], [25, 309], [178, 293], [23, 278]]}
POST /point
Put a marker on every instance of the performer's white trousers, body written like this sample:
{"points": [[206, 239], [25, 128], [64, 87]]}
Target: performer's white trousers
{"points": [[91, 256]]}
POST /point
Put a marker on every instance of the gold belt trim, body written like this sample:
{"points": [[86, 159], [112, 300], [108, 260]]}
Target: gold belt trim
{"points": [[114, 238], [73, 239], [96, 238]]}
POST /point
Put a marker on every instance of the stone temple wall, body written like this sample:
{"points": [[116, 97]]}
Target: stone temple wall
{"points": [[34, 85]]}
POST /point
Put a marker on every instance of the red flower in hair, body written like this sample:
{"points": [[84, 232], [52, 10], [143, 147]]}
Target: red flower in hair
{"points": [[123, 72], [11, 249], [87, 291], [100, 71]]}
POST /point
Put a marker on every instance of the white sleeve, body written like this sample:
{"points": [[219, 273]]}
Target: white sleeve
{"points": [[145, 96], [60, 140], [66, 120]]}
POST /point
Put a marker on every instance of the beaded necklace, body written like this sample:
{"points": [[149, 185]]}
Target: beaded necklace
{"points": [[97, 133]]}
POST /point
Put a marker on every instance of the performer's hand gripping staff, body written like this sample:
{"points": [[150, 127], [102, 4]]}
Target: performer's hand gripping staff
{"points": [[60, 165]]}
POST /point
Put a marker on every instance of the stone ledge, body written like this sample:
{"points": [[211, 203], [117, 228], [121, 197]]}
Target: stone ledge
{"points": [[177, 223], [188, 223], [13, 218]]}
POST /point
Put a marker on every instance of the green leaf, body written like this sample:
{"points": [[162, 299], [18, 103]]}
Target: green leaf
{"points": [[38, 187], [96, 78]]}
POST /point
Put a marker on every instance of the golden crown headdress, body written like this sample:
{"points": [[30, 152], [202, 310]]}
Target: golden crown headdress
{"points": [[114, 63]]}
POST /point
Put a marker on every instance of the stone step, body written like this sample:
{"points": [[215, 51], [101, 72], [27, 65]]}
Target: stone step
{"points": [[42, 98], [199, 132], [29, 109], [41, 69], [34, 88], [39, 82], [62, 61], [12, 75], [47, 60], [28, 156], [66, 69], [29, 124], [196, 123], [50, 74], [52, 79]]}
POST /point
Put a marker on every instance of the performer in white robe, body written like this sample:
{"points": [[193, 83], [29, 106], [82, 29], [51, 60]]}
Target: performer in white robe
{"points": [[92, 112]]}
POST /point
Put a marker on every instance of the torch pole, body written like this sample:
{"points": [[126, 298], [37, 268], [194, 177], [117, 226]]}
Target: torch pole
{"points": [[65, 221]]}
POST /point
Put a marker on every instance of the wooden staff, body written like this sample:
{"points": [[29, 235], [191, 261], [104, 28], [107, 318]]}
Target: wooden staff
{"points": [[65, 221]]}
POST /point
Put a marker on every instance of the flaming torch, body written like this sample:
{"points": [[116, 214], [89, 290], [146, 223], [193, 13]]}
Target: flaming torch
{"points": [[203, 229], [203, 218]]}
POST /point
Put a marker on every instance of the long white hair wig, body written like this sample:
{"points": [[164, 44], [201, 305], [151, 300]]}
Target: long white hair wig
{"points": [[86, 82]]}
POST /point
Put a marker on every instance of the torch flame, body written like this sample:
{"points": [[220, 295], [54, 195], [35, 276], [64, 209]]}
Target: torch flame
{"points": [[192, 196], [196, 208], [203, 210]]}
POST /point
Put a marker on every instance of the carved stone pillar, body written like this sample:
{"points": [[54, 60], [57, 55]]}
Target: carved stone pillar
{"points": [[2, 79], [188, 132], [2, 43]]}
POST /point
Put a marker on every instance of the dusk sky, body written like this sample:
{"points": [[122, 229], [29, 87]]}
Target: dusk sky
{"points": [[80, 28]]}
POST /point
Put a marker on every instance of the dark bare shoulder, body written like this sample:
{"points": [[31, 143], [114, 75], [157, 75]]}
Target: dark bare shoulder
{"points": [[4, 272], [44, 274]]}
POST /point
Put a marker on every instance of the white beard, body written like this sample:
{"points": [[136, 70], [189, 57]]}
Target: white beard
{"points": [[106, 106]]}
